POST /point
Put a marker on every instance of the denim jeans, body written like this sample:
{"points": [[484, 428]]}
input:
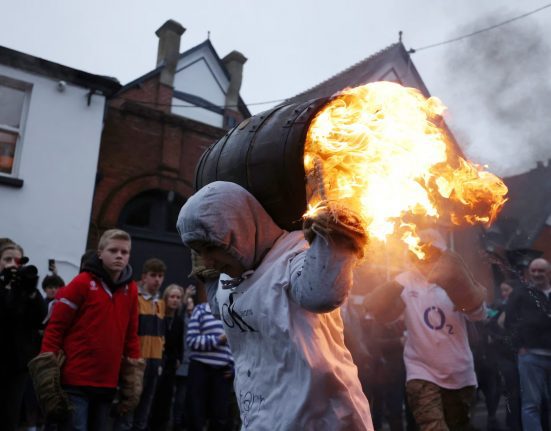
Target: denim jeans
{"points": [[535, 384], [90, 413]]}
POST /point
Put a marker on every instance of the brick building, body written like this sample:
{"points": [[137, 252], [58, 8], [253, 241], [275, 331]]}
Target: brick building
{"points": [[523, 229], [156, 128]]}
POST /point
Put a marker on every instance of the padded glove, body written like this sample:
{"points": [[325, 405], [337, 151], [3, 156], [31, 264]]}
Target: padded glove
{"points": [[451, 273], [198, 268], [335, 222], [45, 371], [130, 385], [384, 302]]}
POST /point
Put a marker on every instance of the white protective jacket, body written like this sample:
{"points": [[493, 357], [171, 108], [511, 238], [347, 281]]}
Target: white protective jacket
{"points": [[293, 371]]}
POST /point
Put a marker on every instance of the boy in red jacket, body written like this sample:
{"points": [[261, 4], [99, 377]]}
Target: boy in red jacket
{"points": [[91, 341]]}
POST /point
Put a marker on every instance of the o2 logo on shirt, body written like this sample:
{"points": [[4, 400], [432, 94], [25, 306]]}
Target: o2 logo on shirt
{"points": [[435, 319]]}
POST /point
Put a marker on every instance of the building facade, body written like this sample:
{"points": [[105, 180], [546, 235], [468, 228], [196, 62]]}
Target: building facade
{"points": [[51, 118], [156, 129]]}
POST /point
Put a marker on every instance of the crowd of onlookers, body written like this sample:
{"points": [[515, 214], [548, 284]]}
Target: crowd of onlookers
{"points": [[177, 369], [183, 346]]}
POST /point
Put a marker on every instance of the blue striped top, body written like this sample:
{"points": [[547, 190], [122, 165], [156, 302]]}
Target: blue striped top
{"points": [[203, 334]]}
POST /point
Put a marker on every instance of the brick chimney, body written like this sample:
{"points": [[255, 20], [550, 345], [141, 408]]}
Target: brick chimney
{"points": [[169, 49], [234, 62]]}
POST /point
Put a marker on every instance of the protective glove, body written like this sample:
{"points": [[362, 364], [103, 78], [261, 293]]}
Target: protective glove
{"points": [[451, 273], [198, 268], [335, 222], [45, 372], [130, 385], [384, 302]]}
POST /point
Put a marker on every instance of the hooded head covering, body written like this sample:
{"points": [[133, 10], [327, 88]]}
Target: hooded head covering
{"points": [[226, 215]]}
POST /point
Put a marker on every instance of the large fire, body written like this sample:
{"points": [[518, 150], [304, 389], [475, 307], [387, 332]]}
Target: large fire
{"points": [[382, 151]]}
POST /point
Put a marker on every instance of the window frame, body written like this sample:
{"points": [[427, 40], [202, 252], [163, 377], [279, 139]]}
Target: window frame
{"points": [[13, 178]]}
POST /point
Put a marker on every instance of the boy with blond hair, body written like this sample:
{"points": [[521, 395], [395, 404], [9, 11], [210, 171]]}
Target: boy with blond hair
{"points": [[91, 342]]}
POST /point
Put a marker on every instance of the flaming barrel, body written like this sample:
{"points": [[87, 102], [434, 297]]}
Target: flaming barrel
{"points": [[378, 150], [265, 155]]}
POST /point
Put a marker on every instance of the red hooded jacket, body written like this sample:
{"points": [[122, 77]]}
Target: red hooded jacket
{"points": [[96, 326]]}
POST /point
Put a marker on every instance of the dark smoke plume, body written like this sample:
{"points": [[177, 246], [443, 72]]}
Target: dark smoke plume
{"points": [[504, 79]]}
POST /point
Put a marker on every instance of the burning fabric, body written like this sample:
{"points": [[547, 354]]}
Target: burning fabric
{"points": [[381, 151]]}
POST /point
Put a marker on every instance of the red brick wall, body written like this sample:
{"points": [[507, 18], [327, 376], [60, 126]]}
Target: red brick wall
{"points": [[144, 148]]}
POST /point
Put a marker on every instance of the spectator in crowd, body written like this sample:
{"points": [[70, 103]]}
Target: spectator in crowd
{"points": [[90, 343], [22, 310], [151, 332], [50, 285], [437, 296], [173, 296], [528, 317], [506, 358], [387, 393], [279, 301], [179, 410], [210, 374]]}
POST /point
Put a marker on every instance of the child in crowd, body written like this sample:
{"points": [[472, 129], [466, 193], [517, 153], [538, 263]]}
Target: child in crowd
{"points": [[151, 333], [92, 332], [50, 285], [172, 356]]}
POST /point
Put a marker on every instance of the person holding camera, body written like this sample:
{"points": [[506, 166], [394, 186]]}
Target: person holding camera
{"points": [[22, 310]]}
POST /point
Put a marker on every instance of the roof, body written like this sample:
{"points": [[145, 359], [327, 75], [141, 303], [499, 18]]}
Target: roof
{"points": [[391, 63], [393, 58], [527, 211], [206, 44], [18, 60]]}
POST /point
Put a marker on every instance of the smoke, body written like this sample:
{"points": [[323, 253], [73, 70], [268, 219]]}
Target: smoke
{"points": [[503, 79]]}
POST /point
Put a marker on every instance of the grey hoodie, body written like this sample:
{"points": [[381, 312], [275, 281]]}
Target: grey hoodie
{"points": [[293, 371]]}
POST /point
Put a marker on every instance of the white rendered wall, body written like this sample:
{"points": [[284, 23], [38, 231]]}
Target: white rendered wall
{"points": [[200, 74], [49, 216]]}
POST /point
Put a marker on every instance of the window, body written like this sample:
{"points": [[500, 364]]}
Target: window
{"points": [[152, 213], [12, 103]]}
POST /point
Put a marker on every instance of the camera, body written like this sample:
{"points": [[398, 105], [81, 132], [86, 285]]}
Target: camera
{"points": [[23, 278]]}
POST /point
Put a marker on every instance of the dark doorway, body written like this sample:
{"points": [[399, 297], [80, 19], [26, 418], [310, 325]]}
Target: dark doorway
{"points": [[150, 218]]}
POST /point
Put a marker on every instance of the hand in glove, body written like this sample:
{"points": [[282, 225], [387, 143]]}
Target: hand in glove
{"points": [[335, 222], [130, 385], [451, 273], [384, 302], [45, 371]]}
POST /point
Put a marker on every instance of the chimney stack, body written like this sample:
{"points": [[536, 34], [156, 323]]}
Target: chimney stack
{"points": [[169, 49], [234, 62]]}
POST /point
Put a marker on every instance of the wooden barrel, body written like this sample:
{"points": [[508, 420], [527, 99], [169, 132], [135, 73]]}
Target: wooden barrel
{"points": [[264, 154]]}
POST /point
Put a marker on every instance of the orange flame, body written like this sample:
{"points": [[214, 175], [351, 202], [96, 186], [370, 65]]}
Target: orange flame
{"points": [[381, 150]]}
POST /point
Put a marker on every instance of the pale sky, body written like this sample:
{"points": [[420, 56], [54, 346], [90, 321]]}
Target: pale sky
{"points": [[497, 86]]}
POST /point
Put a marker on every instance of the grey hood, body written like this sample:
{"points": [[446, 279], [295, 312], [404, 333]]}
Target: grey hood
{"points": [[226, 215]]}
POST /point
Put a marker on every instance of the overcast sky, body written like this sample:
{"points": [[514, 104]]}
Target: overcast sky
{"points": [[497, 86]]}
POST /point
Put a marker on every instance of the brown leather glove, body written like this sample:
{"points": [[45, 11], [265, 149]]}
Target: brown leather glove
{"points": [[384, 302], [130, 385], [198, 268], [45, 371], [335, 222], [451, 273]]}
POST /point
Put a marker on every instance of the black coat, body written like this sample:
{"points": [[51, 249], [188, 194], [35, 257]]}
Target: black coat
{"points": [[21, 316], [528, 318]]}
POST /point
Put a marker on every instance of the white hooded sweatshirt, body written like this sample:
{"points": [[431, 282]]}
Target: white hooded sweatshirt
{"points": [[293, 371]]}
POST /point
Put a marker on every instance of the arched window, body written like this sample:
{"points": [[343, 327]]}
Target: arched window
{"points": [[152, 213]]}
